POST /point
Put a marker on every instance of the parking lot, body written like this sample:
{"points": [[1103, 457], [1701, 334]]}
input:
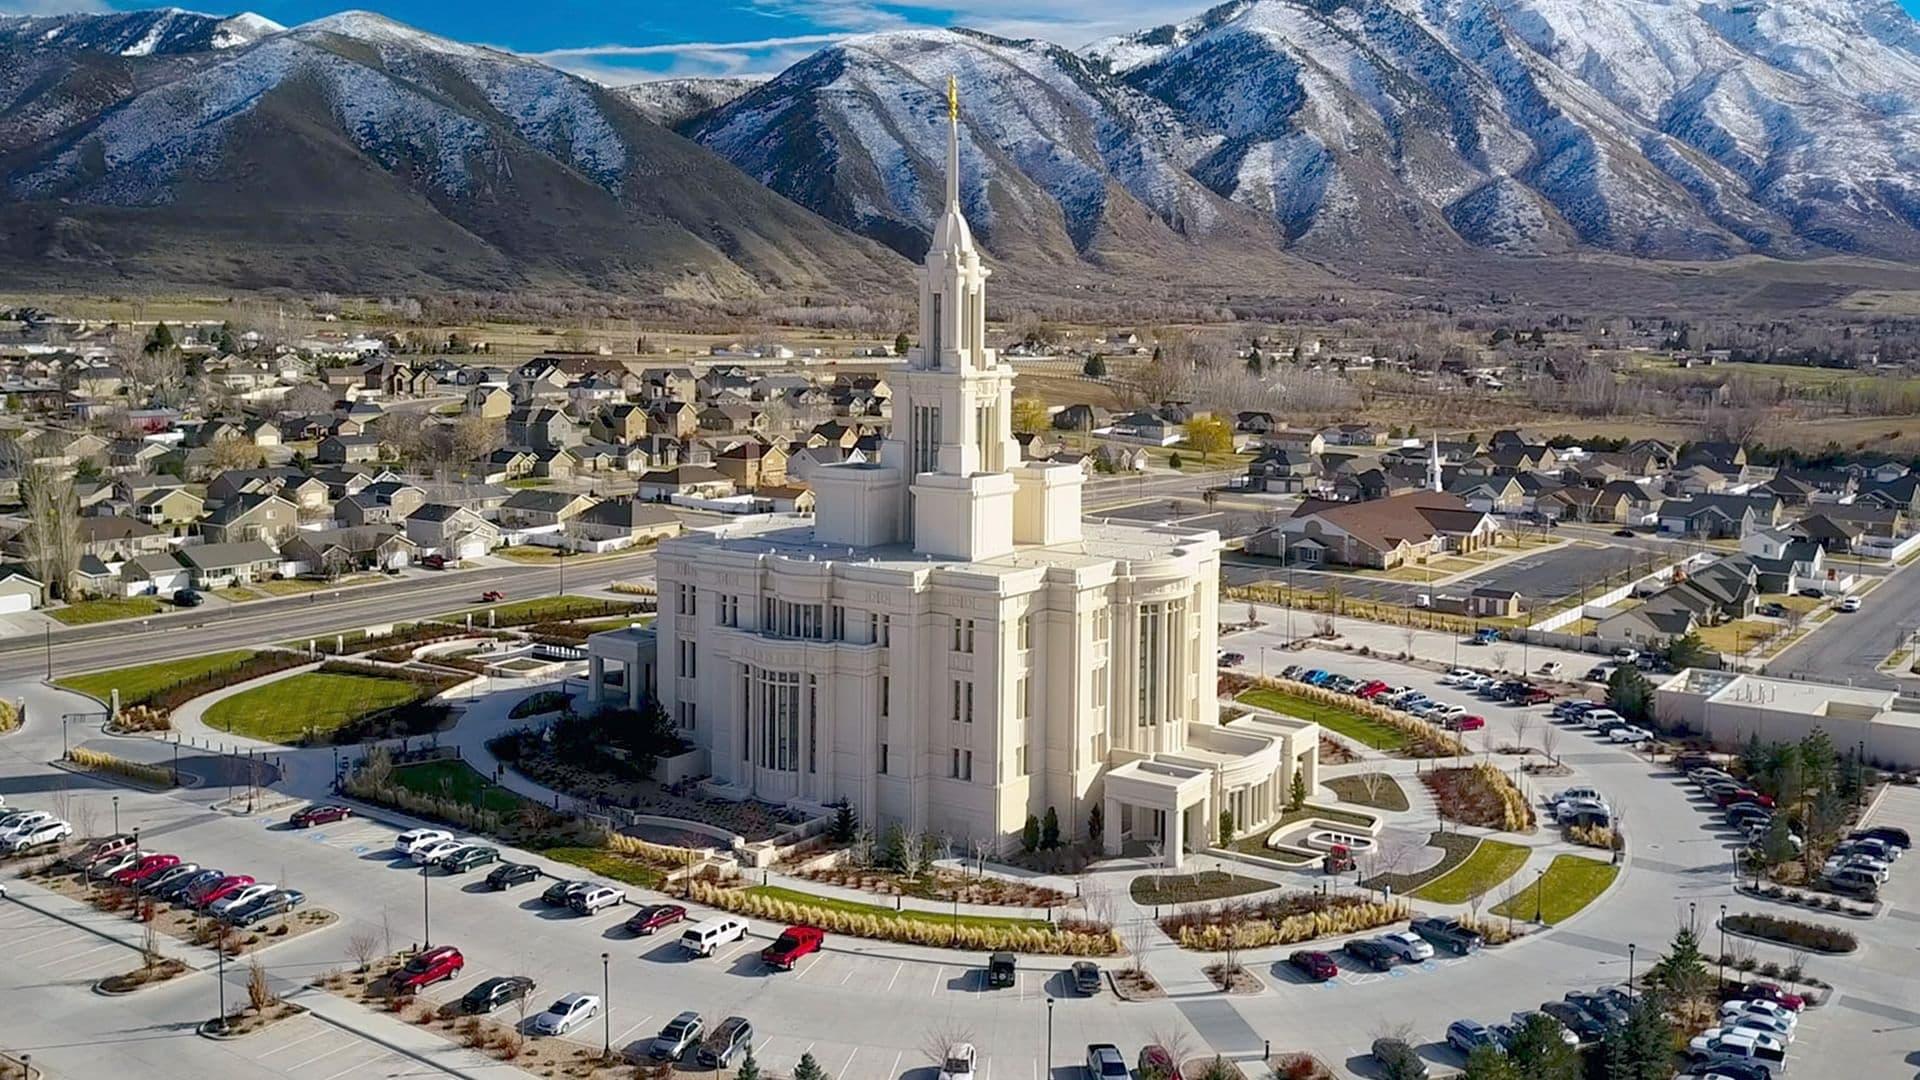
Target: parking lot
{"points": [[1558, 572]]}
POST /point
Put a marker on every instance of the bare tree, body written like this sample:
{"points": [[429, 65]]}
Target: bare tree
{"points": [[1371, 782], [308, 398], [1175, 1042], [259, 991], [232, 452], [1549, 742], [937, 1040], [53, 526], [1500, 659], [1522, 727], [1097, 903], [1139, 939], [361, 947], [1407, 638]]}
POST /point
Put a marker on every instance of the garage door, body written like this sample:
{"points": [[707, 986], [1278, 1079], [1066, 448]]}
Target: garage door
{"points": [[470, 549], [12, 602]]}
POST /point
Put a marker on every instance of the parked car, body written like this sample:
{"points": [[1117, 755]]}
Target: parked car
{"points": [[1000, 969], [1599, 673], [325, 813], [1105, 1063], [469, 857], [153, 885], [495, 992], [681, 1034], [434, 562], [219, 890], [414, 839], [507, 875], [1468, 722], [567, 1013], [1448, 934], [144, 869], [438, 964], [793, 943], [732, 1037], [431, 854], [1601, 1007], [51, 831], [1854, 881], [560, 893], [1585, 1026], [1886, 834], [1740, 1007], [1850, 604], [1314, 964], [596, 899], [1232, 659], [1631, 735], [706, 936], [652, 918], [1086, 977], [179, 890], [1466, 1036], [186, 598], [1372, 953], [1410, 946], [277, 902], [106, 868], [1626, 655], [1628, 533], [1521, 1017], [239, 898], [492, 596], [1550, 668], [1774, 992], [1754, 1046], [100, 849]]}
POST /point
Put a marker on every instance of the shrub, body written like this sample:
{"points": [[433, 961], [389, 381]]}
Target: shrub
{"points": [[157, 775], [1792, 932], [930, 931], [9, 716], [1284, 920], [1482, 795]]}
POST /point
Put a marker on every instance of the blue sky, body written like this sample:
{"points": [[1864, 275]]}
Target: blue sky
{"points": [[627, 40]]}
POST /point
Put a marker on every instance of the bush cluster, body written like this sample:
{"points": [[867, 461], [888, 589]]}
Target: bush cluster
{"points": [[1482, 795], [1793, 932], [1425, 739], [157, 775], [1348, 915], [908, 929], [144, 718], [9, 716]]}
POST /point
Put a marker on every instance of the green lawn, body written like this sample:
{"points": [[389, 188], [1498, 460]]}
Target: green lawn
{"points": [[794, 896], [1493, 862], [290, 586], [98, 611], [284, 710], [459, 781], [1346, 722], [605, 864], [1194, 888], [1572, 882], [136, 684], [1387, 793]]}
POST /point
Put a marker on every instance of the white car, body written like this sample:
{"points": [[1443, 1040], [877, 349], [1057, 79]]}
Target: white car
{"points": [[47, 832], [1568, 809], [1851, 603], [1455, 676], [1771, 1026], [1595, 717], [566, 1014], [1574, 793], [431, 854], [23, 821], [597, 899], [1408, 945], [1551, 667], [958, 1062], [1477, 681], [1881, 871], [1759, 1007], [1448, 712], [1630, 734], [414, 839], [241, 896], [1626, 656], [113, 864]]}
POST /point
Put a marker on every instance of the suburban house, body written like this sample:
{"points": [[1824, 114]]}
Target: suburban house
{"points": [[533, 508], [751, 463], [1354, 434], [1490, 603], [541, 428], [698, 481], [20, 591], [1294, 442], [385, 503], [489, 402], [164, 507], [336, 551], [1716, 517], [257, 516], [625, 521], [345, 449], [306, 492], [216, 566], [1284, 471], [114, 539], [1381, 533], [452, 532], [155, 575]]}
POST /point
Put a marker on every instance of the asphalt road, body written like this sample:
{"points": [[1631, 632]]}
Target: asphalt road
{"points": [[263, 622], [1850, 646], [1559, 572]]}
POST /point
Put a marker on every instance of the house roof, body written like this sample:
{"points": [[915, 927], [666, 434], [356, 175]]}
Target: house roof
{"points": [[100, 528], [152, 565], [542, 500], [684, 474], [629, 514], [1412, 517], [224, 556]]}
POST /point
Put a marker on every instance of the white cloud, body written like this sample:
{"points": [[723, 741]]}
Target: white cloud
{"points": [[697, 47]]}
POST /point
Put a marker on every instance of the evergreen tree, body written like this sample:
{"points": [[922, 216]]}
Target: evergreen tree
{"points": [[1030, 834], [159, 340], [1682, 973], [1254, 361], [1173, 461], [1818, 759], [846, 823], [1538, 1052], [1751, 753], [1050, 830], [1096, 367], [749, 1069], [809, 1069], [1297, 794], [1686, 651], [1641, 1048], [1776, 849], [1629, 693], [1226, 826], [1096, 824], [901, 344], [1488, 1063]]}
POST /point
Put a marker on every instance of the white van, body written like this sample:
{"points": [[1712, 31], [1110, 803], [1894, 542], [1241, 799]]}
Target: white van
{"points": [[701, 939]]}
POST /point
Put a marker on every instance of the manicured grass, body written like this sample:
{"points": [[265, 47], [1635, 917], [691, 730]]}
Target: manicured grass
{"points": [[1493, 862], [291, 586], [1571, 883], [1193, 888], [1362, 729], [536, 609], [1737, 636], [136, 684], [284, 711], [1387, 793], [236, 594], [99, 611], [1454, 847], [459, 781], [605, 864], [795, 896]]}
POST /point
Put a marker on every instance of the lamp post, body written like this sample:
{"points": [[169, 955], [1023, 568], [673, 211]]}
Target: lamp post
{"points": [[116, 814], [1630, 951], [1049, 1036], [606, 1010], [220, 950], [1539, 895], [426, 910], [1723, 944]]}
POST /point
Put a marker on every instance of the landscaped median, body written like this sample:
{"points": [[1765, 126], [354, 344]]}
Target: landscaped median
{"points": [[909, 926], [155, 776], [1570, 884], [1282, 920], [342, 702], [1356, 718], [150, 692], [1492, 862]]}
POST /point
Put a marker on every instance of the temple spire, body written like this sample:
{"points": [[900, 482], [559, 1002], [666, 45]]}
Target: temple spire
{"points": [[953, 142]]}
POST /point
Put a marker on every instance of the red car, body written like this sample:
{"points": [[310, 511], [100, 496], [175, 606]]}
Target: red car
{"points": [[492, 596], [1317, 966], [653, 917], [1156, 1061], [1372, 689], [1728, 798], [145, 868], [1775, 993], [323, 814], [435, 965], [216, 890], [794, 943]]}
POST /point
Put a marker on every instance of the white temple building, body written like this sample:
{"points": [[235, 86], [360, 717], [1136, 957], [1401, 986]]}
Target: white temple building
{"points": [[945, 643]]}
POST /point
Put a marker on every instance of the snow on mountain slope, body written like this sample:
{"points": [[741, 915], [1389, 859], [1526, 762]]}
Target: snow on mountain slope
{"points": [[164, 31], [1053, 153], [672, 102]]}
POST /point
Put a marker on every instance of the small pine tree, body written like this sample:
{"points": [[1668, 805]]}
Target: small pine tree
{"points": [[809, 1069], [1030, 834], [846, 823], [1173, 461], [900, 344], [1226, 826], [749, 1069], [1095, 367], [1297, 794], [1050, 830]]}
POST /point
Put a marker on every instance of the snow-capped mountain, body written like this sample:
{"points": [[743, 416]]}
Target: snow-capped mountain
{"points": [[670, 102], [160, 32], [355, 152]]}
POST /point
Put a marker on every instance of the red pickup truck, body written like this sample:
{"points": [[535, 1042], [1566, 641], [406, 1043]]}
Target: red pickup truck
{"points": [[794, 943]]}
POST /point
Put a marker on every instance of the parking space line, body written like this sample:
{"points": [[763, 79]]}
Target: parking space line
{"points": [[364, 1065], [849, 1062], [55, 945], [14, 942], [70, 959], [895, 1069], [939, 974], [621, 1039], [802, 972], [351, 1042], [317, 1032], [899, 966]]}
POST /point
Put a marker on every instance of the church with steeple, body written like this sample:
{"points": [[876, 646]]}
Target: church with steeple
{"points": [[945, 643]]}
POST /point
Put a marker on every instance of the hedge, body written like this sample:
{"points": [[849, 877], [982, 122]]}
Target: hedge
{"points": [[915, 929], [156, 775], [1792, 932], [1347, 918], [1426, 740]]}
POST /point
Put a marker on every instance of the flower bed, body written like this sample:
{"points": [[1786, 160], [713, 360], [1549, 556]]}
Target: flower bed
{"points": [[157, 776], [938, 885], [1480, 795], [909, 926], [151, 974], [1194, 888], [1376, 790], [1281, 920], [1813, 937]]}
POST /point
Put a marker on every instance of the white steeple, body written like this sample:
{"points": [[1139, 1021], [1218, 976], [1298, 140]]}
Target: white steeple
{"points": [[951, 234], [1433, 466]]}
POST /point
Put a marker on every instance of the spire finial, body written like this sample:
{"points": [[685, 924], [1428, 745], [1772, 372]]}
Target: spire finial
{"points": [[953, 98], [953, 142]]}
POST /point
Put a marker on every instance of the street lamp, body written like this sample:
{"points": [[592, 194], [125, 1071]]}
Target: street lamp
{"points": [[1049, 1035], [116, 814], [1539, 895], [606, 1009], [426, 910], [220, 950], [1630, 950], [1723, 945]]}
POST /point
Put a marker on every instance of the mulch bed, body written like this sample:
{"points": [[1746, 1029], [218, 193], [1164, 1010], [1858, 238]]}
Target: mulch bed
{"points": [[143, 976], [1237, 981], [1136, 986]]}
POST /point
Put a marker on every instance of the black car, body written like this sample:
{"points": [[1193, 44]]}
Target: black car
{"points": [[495, 992], [1584, 1025], [263, 907], [177, 888], [1371, 952], [1000, 969], [507, 875], [1624, 532], [469, 857], [1731, 1067], [1086, 977], [1448, 934], [159, 881], [1398, 1059], [186, 598], [1891, 835], [1604, 1009]]}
